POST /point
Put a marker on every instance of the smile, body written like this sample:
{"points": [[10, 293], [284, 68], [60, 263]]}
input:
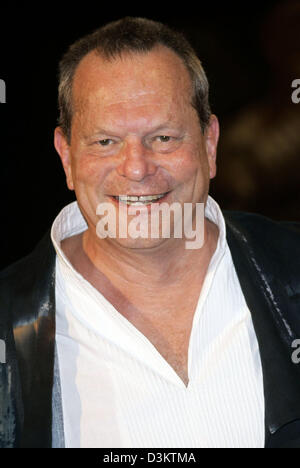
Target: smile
{"points": [[139, 199]]}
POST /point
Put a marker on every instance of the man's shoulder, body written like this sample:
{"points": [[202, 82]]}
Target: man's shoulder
{"points": [[268, 248], [29, 265], [258, 220], [25, 280], [263, 231]]}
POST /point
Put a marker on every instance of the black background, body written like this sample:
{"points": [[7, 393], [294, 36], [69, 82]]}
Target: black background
{"points": [[32, 40]]}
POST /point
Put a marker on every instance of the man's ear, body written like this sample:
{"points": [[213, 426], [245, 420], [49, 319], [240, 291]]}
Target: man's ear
{"points": [[63, 149], [212, 136]]}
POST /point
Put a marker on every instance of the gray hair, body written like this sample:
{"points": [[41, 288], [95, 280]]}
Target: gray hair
{"points": [[130, 34]]}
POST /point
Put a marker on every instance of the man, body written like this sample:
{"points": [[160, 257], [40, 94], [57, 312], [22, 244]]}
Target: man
{"points": [[124, 341]]}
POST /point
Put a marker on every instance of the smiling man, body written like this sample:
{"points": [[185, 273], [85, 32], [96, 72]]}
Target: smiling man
{"points": [[124, 341]]}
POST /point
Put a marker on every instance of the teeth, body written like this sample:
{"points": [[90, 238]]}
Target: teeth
{"points": [[143, 199], [150, 197], [125, 198]]}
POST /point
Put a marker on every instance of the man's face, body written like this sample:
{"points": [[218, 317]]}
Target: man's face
{"points": [[135, 132]]}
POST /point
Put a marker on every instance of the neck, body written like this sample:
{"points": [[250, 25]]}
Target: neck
{"points": [[162, 265]]}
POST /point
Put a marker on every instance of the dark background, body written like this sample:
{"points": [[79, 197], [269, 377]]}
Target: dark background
{"points": [[251, 53]]}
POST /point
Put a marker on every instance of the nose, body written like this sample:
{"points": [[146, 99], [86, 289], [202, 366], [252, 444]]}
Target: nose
{"points": [[136, 161]]}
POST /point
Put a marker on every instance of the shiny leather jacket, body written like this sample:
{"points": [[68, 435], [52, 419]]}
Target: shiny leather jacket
{"points": [[266, 255]]}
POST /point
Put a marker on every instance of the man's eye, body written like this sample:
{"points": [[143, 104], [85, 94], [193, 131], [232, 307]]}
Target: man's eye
{"points": [[165, 143], [164, 138], [105, 142]]}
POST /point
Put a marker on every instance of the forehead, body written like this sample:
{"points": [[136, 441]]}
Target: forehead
{"points": [[130, 77]]}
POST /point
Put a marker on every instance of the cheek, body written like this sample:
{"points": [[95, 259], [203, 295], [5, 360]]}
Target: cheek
{"points": [[185, 166], [89, 170]]}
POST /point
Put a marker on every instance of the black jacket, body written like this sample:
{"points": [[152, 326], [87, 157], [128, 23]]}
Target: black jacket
{"points": [[266, 255]]}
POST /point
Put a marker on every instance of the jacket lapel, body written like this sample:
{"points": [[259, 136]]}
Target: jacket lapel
{"points": [[281, 376], [34, 332]]}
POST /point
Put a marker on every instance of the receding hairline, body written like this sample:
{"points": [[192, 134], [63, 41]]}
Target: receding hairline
{"points": [[125, 54]]}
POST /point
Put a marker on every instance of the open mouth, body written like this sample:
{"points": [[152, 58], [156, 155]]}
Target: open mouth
{"points": [[139, 200]]}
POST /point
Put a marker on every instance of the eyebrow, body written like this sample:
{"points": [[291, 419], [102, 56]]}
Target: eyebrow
{"points": [[106, 131]]}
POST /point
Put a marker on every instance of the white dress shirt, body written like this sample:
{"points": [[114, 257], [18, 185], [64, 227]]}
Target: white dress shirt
{"points": [[117, 389]]}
